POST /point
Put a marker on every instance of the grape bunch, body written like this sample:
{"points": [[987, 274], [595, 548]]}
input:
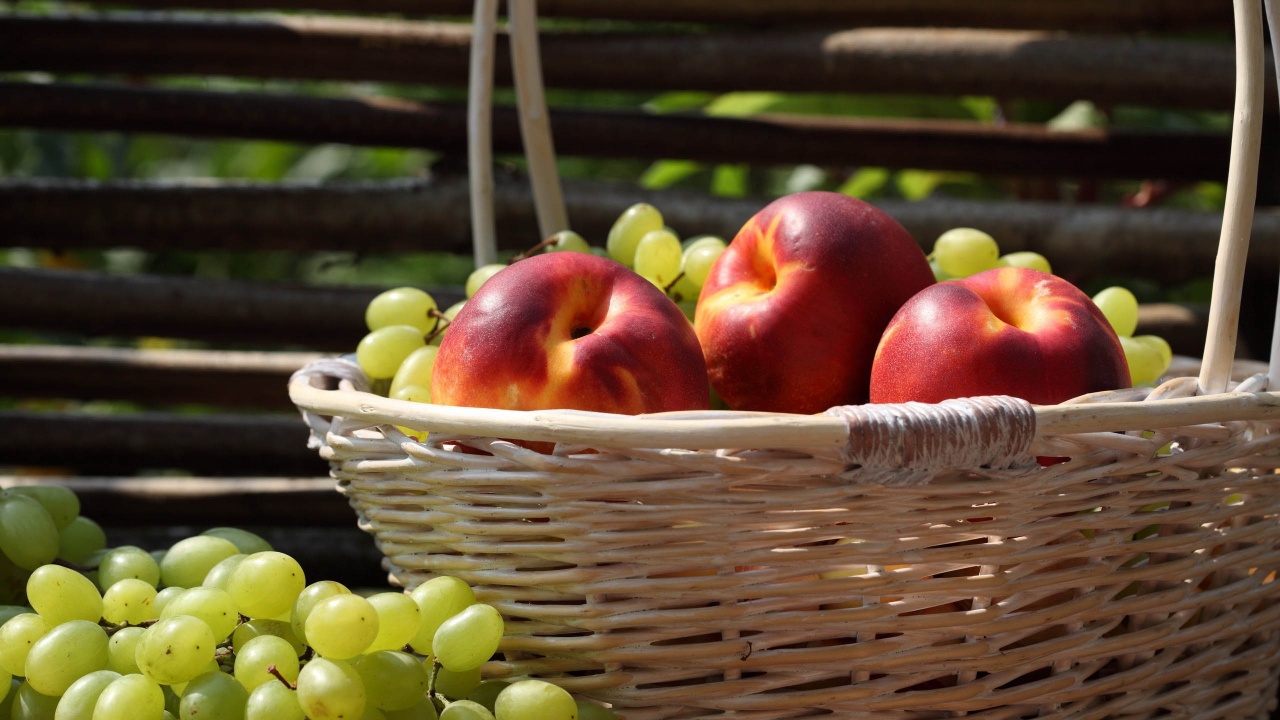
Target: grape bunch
{"points": [[961, 252], [639, 239], [222, 627]]}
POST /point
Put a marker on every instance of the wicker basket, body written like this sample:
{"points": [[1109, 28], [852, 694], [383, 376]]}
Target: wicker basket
{"points": [[896, 561]]}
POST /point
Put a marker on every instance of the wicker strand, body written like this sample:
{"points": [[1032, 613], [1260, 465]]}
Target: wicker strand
{"points": [[994, 431]]}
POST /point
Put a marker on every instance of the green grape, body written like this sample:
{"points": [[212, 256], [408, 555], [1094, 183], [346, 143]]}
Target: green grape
{"points": [[175, 649], [401, 306], [29, 704], [212, 605], [1144, 359], [122, 650], [693, 240], [699, 259], [258, 627], [17, 636], [631, 225], [66, 653], [468, 710], [7, 693], [486, 693], [213, 696], [307, 599], [219, 574], [438, 599], [80, 539], [248, 543], [1025, 259], [259, 654], [129, 601], [455, 685], [130, 697], [568, 241], [393, 680], [398, 620], [330, 689], [273, 701], [450, 313], [60, 502], [1120, 307], [188, 561], [164, 597], [266, 584], [13, 582], [425, 709], [961, 252], [469, 638], [28, 535], [127, 561], [588, 710], [11, 611], [416, 369], [341, 626], [534, 700], [211, 667], [689, 308], [938, 274], [381, 351], [657, 257], [78, 701], [60, 594], [480, 276], [1162, 347]]}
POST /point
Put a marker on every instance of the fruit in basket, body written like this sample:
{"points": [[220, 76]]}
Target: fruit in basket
{"points": [[1148, 356], [402, 306], [1006, 331], [633, 224], [961, 252], [570, 330], [791, 311]]}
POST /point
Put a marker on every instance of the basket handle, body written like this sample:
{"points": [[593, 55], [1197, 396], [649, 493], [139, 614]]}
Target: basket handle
{"points": [[535, 126], [1242, 187]]}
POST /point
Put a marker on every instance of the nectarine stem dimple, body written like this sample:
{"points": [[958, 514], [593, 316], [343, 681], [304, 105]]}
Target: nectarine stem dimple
{"points": [[579, 332]]}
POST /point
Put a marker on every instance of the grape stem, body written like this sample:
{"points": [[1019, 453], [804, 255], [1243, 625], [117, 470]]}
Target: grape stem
{"points": [[674, 280], [271, 669], [113, 629], [544, 244], [442, 324]]}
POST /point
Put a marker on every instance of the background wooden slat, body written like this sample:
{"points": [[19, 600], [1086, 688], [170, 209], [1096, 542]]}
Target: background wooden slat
{"points": [[273, 314], [963, 61], [1100, 15], [253, 380], [102, 444], [1007, 150], [1084, 241]]}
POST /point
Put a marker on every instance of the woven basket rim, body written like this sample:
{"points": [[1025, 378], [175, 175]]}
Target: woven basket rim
{"points": [[710, 429]]}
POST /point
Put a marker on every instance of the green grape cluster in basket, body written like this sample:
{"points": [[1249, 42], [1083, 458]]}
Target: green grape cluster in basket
{"points": [[220, 626]]}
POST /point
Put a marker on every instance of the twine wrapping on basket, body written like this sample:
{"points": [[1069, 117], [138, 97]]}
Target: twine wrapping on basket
{"points": [[993, 431], [905, 562]]}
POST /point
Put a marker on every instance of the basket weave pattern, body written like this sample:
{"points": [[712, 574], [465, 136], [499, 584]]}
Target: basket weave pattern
{"points": [[1135, 580]]}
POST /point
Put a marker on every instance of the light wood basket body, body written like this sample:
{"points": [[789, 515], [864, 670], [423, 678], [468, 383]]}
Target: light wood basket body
{"points": [[777, 581], [910, 562]]}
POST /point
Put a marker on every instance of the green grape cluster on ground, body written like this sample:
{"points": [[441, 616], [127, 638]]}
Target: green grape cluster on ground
{"points": [[220, 626], [961, 252], [406, 326]]}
